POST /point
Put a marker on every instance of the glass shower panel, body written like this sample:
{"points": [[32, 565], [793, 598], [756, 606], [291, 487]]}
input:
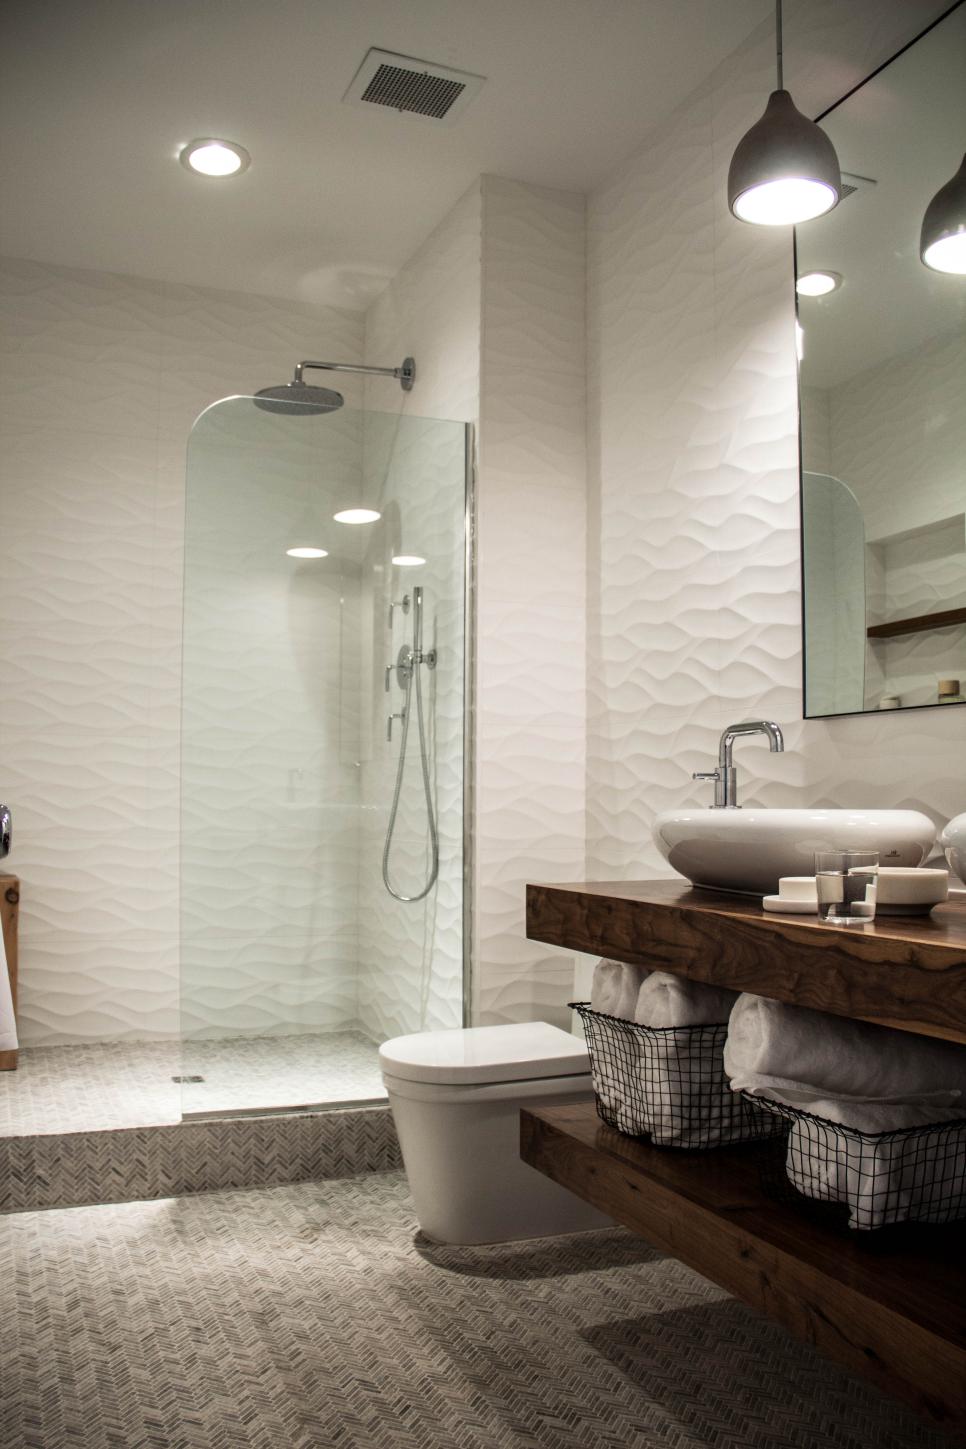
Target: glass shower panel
{"points": [[301, 683]]}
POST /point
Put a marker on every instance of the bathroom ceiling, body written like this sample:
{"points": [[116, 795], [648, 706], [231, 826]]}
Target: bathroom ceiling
{"points": [[98, 98]]}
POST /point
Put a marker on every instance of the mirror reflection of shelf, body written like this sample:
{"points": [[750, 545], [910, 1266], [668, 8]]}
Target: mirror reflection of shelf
{"points": [[942, 619], [917, 578], [916, 612]]}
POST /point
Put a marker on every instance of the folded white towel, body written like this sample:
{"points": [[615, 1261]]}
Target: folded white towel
{"points": [[8, 1022], [893, 1180], [616, 987], [851, 1071], [666, 1000]]}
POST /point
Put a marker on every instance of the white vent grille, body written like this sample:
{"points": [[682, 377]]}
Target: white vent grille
{"points": [[413, 87]]}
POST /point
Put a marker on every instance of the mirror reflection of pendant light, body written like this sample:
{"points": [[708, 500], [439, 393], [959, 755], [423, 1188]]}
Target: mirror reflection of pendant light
{"points": [[942, 244], [784, 169]]}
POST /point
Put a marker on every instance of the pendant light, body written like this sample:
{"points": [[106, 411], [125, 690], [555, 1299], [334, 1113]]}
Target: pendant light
{"points": [[942, 244], [784, 169]]}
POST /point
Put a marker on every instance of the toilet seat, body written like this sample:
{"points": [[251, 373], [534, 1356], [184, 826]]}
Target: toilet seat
{"points": [[474, 1056]]}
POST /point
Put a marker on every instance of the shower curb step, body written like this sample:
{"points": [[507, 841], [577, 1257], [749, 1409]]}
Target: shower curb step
{"points": [[128, 1164]]}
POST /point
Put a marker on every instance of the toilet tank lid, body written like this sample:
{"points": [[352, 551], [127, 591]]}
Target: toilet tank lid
{"points": [[525, 1051]]}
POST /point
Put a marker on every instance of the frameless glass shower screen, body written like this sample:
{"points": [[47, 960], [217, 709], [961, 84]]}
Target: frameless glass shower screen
{"points": [[323, 702]]}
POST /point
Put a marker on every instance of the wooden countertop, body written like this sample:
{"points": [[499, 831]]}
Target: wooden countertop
{"points": [[904, 972], [891, 1307]]}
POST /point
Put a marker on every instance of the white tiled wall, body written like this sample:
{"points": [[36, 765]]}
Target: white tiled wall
{"points": [[492, 307], [532, 597], [695, 597], [101, 377]]}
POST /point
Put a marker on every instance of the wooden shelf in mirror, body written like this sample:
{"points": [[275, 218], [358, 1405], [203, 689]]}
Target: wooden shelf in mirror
{"points": [[942, 619]]}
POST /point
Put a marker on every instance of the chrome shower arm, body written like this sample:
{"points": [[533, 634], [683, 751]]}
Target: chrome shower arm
{"points": [[406, 373]]}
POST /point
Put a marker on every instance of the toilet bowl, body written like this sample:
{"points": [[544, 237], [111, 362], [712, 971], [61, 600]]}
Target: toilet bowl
{"points": [[456, 1099]]}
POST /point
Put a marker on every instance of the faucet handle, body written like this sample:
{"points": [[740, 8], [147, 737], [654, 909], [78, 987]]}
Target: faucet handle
{"points": [[706, 775]]}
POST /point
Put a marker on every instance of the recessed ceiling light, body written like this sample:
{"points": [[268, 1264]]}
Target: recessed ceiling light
{"points": [[407, 560], [307, 552], [211, 157], [357, 515], [817, 284]]}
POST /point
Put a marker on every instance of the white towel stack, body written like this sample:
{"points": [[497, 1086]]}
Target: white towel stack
{"points": [[656, 998], [865, 1077]]}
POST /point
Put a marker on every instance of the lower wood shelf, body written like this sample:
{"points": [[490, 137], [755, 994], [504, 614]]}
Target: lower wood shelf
{"points": [[896, 1315]]}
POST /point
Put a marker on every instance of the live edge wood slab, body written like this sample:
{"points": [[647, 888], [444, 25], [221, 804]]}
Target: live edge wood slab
{"points": [[906, 972], [896, 1316]]}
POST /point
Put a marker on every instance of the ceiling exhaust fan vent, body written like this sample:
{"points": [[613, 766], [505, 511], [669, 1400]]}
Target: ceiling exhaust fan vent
{"points": [[414, 87]]}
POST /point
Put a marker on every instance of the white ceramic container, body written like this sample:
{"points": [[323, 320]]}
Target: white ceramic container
{"points": [[953, 842], [910, 892]]}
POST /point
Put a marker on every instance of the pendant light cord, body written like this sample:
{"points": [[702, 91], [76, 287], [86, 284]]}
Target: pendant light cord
{"points": [[778, 42]]}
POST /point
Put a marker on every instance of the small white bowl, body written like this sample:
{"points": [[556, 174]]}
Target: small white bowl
{"points": [[904, 891]]}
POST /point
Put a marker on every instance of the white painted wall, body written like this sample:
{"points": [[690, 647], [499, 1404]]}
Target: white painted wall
{"points": [[695, 608], [101, 378]]}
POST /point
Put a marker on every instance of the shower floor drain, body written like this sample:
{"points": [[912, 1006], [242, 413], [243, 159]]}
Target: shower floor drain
{"points": [[187, 1079]]}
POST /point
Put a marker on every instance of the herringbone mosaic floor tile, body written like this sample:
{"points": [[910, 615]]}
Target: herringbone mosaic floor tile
{"points": [[313, 1317]]}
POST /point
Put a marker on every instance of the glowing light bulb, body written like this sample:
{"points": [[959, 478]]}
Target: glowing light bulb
{"points": [[408, 560], [307, 552], [210, 157]]}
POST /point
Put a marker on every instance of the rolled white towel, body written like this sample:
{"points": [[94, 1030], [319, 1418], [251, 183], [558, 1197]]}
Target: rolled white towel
{"points": [[811, 1060], [890, 1180], [616, 987], [667, 1000]]}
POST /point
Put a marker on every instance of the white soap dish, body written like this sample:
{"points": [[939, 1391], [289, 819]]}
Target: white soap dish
{"points": [[796, 896], [788, 906]]}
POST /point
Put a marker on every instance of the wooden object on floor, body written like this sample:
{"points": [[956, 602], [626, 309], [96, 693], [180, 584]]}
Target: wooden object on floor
{"points": [[941, 619], [904, 972], [9, 909], [897, 1317]]}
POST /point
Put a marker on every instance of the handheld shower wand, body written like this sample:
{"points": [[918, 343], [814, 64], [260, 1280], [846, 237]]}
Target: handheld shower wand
{"points": [[411, 668]]}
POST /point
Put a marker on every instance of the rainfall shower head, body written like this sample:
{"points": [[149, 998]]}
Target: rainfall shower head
{"points": [[298, 397]]}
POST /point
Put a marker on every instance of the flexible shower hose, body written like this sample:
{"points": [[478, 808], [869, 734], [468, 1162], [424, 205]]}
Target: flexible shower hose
{"points": [[415, 671]]}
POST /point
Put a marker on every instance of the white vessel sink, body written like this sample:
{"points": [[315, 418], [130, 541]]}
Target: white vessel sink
{"points": [[750, 849]]}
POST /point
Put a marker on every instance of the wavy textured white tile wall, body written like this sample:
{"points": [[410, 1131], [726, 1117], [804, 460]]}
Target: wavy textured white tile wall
{"points": [[531, 608], [411, 955], [101, 377], [514, 363], [695, 603]]}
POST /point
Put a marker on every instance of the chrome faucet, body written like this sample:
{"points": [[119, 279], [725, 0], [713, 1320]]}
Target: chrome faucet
{"points": [[5, 831], [724, 777]]}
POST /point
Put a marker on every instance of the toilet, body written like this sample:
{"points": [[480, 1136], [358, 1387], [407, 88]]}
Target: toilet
{"points": [[456, 1098]]}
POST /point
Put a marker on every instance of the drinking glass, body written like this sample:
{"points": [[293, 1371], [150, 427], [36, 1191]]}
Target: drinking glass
{"points": [[845, 882]]}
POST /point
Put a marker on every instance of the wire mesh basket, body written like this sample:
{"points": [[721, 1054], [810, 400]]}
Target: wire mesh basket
{"points": [[668, 1083], [866, 1180]]}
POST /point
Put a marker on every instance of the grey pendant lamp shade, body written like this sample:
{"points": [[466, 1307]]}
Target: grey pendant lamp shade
{"points": [[784, 169], [942, 242]]}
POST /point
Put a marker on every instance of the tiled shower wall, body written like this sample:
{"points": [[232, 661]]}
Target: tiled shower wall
{"points": [[695, 596], [494, 303], [101, 378]]}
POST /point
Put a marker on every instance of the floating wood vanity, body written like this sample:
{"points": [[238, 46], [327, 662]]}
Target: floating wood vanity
{"points": [[891, 1307]]}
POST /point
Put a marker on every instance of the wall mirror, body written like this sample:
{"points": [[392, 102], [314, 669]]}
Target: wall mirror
{"points": [[883, 399]]}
